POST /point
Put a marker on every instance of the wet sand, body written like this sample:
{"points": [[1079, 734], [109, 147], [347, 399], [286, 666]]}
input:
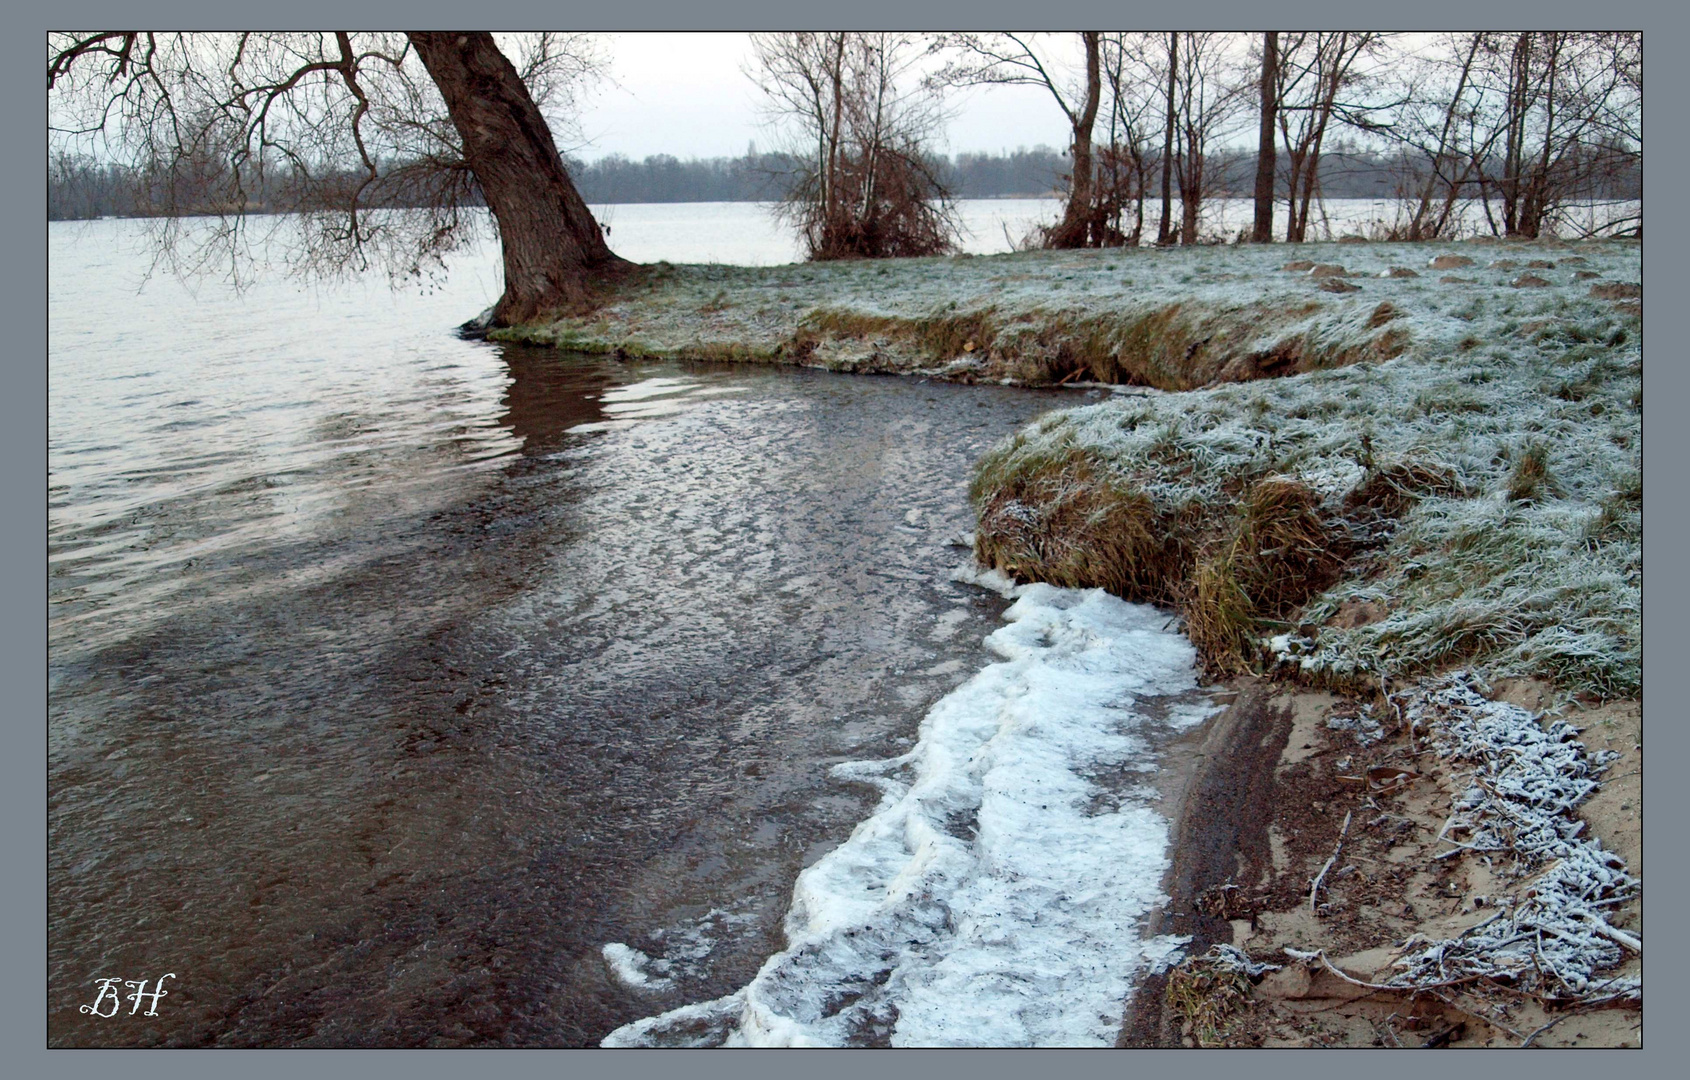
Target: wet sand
{"points": [[1257, 802]]}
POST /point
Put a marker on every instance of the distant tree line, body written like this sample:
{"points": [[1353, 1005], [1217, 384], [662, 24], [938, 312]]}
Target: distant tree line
{"points": [[79, 188], [1513, 128]]}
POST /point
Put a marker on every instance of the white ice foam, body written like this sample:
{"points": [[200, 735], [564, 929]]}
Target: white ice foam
{"points": [[992, 899], [972, 573], [647, 388], [629, 966], [1189, 714]]}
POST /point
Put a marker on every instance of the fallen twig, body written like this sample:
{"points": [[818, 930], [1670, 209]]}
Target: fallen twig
{"points": [[1314, 890], [1541, 1028]]}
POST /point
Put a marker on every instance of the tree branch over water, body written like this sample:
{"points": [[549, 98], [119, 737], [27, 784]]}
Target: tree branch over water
{"points": [[350, 134]]}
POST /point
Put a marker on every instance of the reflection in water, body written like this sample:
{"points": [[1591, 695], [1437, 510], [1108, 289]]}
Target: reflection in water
{"points": [[431, 704], [546, 398]]}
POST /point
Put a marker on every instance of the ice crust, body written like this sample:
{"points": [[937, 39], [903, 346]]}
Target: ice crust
{"points": [[987, 901], [629, 966]]}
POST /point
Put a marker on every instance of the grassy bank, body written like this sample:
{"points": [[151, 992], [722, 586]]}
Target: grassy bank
{"points": [[1359, 459], [1474, 499], [1173, 320]]}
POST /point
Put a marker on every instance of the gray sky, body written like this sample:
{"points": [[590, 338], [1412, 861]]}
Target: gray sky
{"points": [[688, 95]]}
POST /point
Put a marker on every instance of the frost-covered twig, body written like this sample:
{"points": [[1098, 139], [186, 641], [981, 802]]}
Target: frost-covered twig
{"points": [[1232, 958], [1314, 889], [1526, 779]]}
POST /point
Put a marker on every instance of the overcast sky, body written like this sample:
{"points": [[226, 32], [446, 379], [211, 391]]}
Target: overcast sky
{"points": [[688, 95]]}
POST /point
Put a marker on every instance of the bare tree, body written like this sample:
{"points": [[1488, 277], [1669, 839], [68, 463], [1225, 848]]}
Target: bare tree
{"points": [[339, 129], [1267, 139], [1565, 98], [1021, 59], [1209, 94], [1529, 120], [1132, 80], [1448, 170], [1320, 80], [867, 187]]}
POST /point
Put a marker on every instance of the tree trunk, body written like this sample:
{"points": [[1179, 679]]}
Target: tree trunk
{"points": [[1074, 229], [1138, 200], [1263, 232], [1162, 234], [1190, 185], [1519, 69], [552, 245], [832, 208], [1295, 152]]}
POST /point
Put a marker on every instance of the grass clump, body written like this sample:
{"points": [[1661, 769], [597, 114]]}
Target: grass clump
{"points": [[1530, 477], [1060, 520], [1280, 552], [1220, 619], [1210, 994], [1621, 515]]}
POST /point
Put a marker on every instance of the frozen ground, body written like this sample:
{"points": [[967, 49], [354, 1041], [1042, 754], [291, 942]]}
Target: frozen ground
{"points": [[1171, 318]]}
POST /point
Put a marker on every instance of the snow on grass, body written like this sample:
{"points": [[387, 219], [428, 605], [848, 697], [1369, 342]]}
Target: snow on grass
{"points": [[1525, 559]]}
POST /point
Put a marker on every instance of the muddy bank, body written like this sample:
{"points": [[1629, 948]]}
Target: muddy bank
{"points": [[1217, 786], [1265, 802]]}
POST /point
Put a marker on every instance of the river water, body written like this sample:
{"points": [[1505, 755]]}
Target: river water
{"points": [[406, 690]]}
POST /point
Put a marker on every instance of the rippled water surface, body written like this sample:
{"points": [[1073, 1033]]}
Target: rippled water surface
{"points": [[391, 676]]}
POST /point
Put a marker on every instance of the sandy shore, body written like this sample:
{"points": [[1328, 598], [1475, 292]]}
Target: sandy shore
{"points": [[1259, 802]]}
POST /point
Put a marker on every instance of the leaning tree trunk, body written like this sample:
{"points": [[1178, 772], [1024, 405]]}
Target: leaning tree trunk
{"points": [[552, 245]]}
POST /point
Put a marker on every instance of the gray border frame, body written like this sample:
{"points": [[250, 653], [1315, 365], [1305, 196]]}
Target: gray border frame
{"points": [[23, 527]]}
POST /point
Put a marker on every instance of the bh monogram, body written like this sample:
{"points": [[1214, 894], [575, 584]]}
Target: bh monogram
{"points": [[109, 995]]}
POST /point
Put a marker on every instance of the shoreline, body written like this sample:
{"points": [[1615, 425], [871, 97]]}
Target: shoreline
{"points": [[1404, 459], [1224, 765], [1257, 803]]}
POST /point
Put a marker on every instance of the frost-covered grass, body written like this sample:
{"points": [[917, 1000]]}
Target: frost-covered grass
{"points": [[1484, 485], [1174, 319]]}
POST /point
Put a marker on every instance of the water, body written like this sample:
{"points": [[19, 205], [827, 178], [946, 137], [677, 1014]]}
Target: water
{"points": [[997, 894], [392, 677], [748, 234]]}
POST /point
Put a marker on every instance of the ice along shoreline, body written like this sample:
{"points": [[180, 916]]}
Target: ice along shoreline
{"points": [[1456, 414], [995, 896]]}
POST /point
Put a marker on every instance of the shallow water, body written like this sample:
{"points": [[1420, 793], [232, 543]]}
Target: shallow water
{"points": [[392, 676], [998, 895]]}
